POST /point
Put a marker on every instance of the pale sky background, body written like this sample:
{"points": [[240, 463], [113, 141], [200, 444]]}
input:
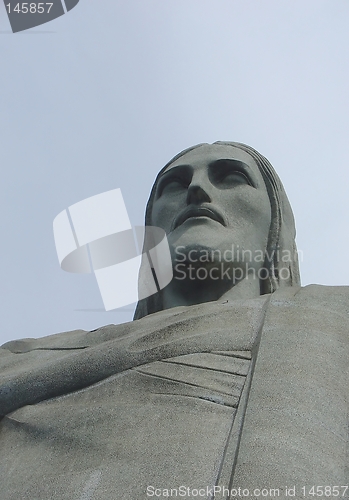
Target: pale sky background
{"points": [[104, 96]]}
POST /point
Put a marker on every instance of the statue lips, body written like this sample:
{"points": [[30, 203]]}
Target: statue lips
{"points": [[200, 211]]}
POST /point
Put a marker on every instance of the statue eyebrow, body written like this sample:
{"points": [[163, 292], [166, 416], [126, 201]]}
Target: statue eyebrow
{"points": [[173, 172], [185, 168]]}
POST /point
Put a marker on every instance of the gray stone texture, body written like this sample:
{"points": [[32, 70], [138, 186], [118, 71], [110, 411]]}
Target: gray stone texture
{"points": [[234, 383], [171, 419]]}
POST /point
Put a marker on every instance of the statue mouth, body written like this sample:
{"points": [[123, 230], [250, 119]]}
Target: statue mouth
{"points": [[194, 212]]}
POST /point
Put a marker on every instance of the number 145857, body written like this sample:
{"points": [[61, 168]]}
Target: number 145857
{"points": [[30, 8], [325, 491]]}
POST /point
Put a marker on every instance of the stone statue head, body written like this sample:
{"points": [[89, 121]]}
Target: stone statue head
{"points": [[216, 200]]}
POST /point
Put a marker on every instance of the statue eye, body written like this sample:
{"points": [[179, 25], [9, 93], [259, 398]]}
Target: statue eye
{"points": [[233, 178], [226, 174], [171, 185]]}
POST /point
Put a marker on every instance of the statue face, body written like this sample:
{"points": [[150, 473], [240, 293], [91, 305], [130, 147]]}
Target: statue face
{"points": [[213, 198]]}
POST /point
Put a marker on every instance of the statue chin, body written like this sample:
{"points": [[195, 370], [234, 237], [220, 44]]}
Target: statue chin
{"points": [[214, 389]]}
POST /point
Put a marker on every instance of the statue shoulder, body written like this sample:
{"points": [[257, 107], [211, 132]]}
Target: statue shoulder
{"points": [[324, 306], [329, 297]]}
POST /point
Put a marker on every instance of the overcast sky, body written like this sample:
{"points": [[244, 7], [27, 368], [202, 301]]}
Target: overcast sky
{"points": [[104, 96]]}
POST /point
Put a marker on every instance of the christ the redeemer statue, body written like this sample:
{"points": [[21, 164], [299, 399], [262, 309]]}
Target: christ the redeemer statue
{"points": [[231, 380]]}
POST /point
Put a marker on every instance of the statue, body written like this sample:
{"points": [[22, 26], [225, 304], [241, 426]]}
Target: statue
{"points": [[231, 382]]}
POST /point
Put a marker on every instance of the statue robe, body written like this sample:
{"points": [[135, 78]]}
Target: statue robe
{"points": [[249, 394]]}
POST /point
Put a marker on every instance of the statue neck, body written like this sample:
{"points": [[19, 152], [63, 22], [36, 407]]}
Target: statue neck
{"points": [[188, 293]]}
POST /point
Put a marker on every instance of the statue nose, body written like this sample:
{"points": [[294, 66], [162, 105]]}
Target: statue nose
{"points": [[196, 194]]}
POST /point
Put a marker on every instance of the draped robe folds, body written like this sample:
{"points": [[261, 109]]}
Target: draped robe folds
{"points": [[249, 394]]}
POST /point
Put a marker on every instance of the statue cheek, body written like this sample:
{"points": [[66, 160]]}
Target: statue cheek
{"points": [[249, 206], [161, 217], [165, 209]]}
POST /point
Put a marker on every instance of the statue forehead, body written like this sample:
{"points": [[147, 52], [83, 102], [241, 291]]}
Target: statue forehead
{"points": [[208, 153]]}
